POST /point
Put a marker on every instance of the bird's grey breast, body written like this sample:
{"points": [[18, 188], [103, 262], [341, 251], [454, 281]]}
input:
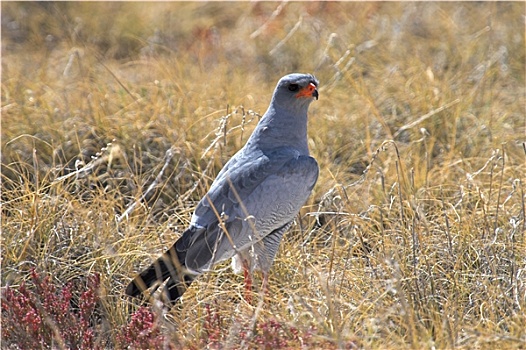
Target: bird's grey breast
{"points": [[282, 194]]}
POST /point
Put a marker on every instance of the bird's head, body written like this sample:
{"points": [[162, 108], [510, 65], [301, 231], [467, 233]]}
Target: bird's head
{"points": [[295, 91]]}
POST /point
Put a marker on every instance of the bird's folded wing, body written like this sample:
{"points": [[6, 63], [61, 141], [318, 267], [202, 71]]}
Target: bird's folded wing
{"points": [[247, 188]]}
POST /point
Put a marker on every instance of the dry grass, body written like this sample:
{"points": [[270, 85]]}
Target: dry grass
{"points": [[415, 234]]}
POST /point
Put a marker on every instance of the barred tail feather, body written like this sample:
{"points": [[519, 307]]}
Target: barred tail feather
{"points": [[168, 266]]}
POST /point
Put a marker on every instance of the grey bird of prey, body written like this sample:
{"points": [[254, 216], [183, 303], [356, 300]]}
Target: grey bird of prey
{"points": [[251, 203]]}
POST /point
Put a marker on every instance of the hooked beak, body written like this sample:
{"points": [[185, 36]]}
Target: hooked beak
{"points": [[308, 91]]}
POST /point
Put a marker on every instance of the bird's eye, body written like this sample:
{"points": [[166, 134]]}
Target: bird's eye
{"points": [[294, 87]]}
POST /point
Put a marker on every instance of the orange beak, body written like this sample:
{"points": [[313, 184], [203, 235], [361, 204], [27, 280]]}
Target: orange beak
{"points": [[308, 91]]}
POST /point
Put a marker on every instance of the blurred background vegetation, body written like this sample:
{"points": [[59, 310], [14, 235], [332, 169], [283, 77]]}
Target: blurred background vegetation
{"points": [[415, 234]]}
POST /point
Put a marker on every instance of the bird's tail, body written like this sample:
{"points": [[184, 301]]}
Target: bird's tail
{"points": [[169, 266]]}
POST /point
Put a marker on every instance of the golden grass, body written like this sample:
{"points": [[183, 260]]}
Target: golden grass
{"points": [[417, 242]]}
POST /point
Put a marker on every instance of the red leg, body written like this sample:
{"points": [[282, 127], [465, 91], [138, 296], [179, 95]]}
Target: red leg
{"points": [[248, 282]]}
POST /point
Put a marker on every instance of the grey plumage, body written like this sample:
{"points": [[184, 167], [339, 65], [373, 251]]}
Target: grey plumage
{"points": [[252, 201]]}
